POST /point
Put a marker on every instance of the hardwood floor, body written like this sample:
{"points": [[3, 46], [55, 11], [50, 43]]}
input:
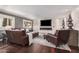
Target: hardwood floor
{"points": [[34, 48], [1, 44], [37, 48]]}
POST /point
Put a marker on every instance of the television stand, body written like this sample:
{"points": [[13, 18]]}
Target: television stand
{"points": [[45, 28]]}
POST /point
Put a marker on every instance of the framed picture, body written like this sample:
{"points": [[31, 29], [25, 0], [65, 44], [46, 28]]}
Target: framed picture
{"points": [[28, 24]]}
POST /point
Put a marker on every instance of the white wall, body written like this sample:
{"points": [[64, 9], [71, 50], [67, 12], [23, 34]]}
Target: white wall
{"points": [[57, 23], [75, 17], [36, 27], [36, 24]]}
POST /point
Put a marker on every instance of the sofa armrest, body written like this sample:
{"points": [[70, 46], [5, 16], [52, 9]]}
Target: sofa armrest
{"points": [[53, 36], [52, 39]]}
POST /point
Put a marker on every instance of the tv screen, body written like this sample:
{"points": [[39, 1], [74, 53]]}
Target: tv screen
{"points": [[45, 23]]}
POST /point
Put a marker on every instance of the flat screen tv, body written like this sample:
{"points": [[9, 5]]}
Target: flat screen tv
{"points": [[45, 22]]}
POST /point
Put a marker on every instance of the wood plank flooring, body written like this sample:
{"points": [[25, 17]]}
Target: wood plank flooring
{"points": [[34, 48]]}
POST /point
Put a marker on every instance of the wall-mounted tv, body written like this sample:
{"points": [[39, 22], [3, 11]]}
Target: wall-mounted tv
{"points": [[45, 22]]}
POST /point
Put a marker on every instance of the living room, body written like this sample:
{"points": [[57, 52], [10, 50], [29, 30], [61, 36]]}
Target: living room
{"points": [[42, 24]]}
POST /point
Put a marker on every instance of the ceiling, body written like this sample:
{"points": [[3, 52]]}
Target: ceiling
{"points": [[39, 11]]}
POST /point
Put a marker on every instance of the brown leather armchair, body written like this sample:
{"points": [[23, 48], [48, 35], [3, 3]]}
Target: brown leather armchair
{"points": [[60, 37], [17, 42], [63, 37], [17, 37]]}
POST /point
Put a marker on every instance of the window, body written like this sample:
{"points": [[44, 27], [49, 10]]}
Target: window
{"points": [[6, 20]]}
